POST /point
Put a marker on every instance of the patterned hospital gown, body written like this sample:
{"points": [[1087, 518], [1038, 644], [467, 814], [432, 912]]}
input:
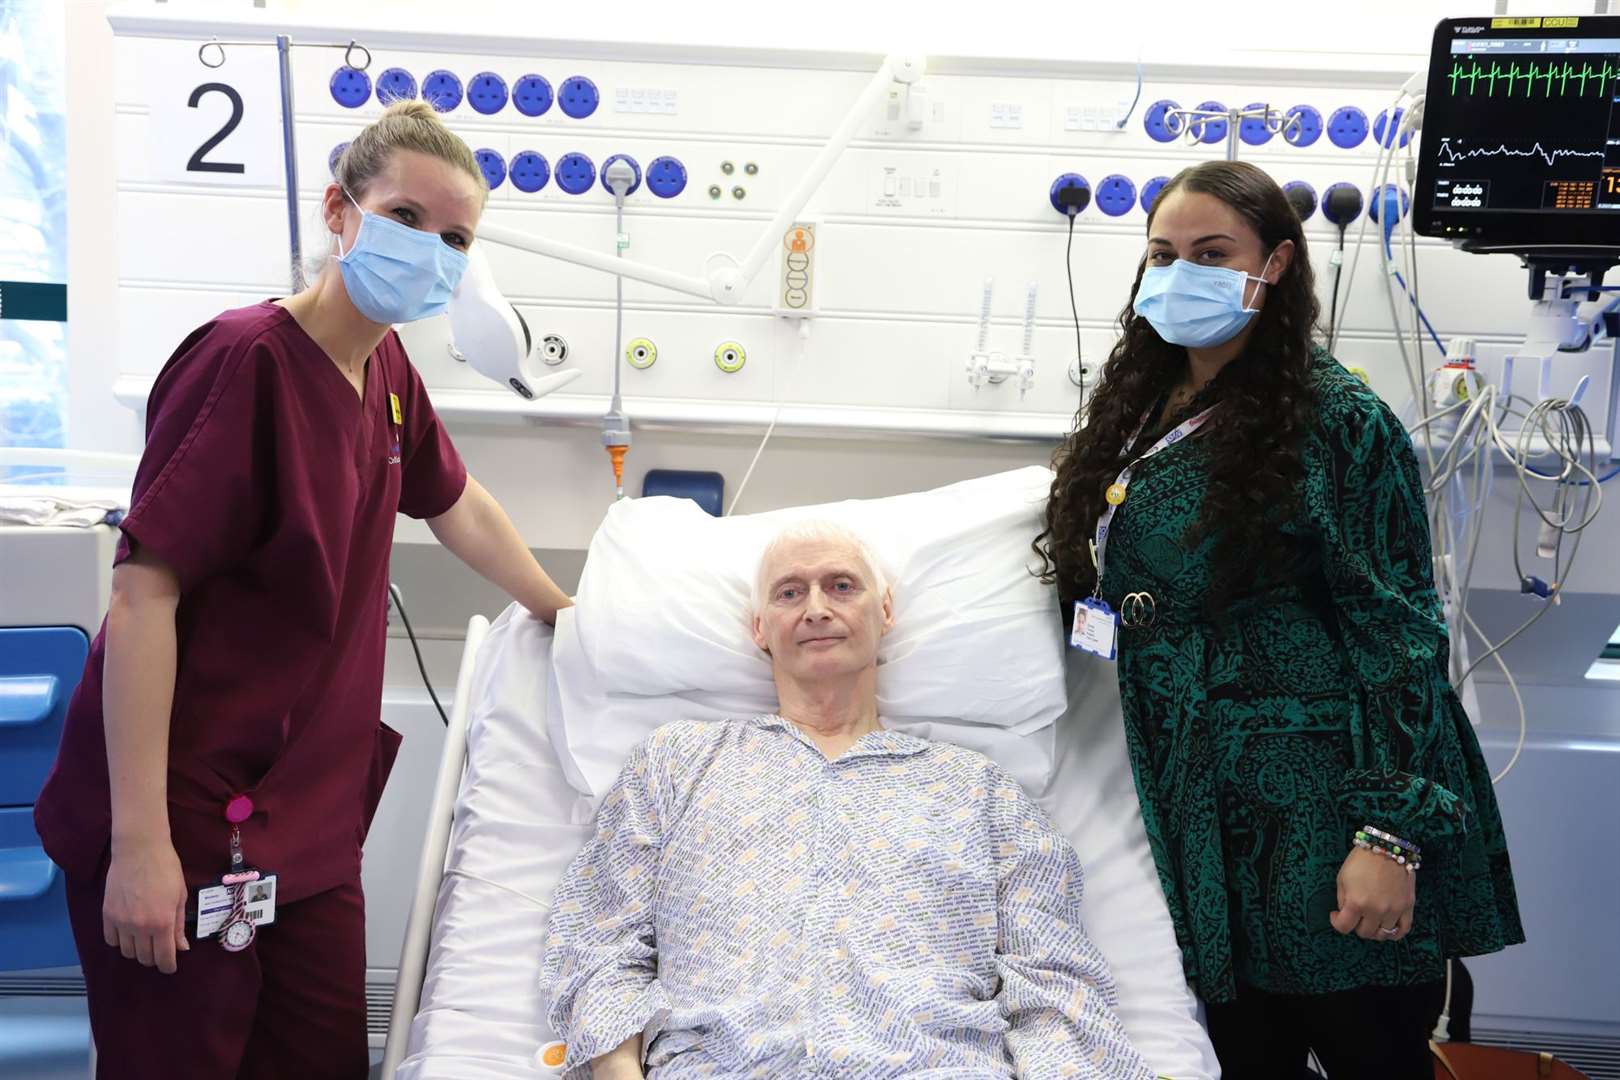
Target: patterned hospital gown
{"points": [[757, 910]]}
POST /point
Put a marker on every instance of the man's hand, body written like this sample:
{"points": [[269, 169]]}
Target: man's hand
{"points": [[1376, 896], [622, 1063]]}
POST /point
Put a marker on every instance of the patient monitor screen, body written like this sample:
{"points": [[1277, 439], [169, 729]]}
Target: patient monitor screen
{"points": [[1521, 131]]}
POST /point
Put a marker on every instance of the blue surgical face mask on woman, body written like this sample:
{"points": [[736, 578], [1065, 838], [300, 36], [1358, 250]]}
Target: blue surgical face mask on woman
{"points": [[397, 274], [1197, 306]]}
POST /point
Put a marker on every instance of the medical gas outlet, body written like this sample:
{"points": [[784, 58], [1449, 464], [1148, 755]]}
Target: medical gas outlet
{"points": [[730, 357]]}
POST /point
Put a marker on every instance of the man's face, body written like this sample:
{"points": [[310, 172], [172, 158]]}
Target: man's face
{"points": [[822, 615]]}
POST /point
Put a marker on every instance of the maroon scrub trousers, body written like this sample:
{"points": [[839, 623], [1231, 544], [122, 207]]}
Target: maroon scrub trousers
{"points": [[271, 488]]}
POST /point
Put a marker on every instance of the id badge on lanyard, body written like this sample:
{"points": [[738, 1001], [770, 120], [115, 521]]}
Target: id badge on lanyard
{"points": [[244, 899], [1096, 625]]}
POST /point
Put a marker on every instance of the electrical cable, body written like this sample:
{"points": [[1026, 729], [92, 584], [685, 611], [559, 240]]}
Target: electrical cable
{"points": [[399, 605], [1135, 100], [1079, 353], [781, 400]]}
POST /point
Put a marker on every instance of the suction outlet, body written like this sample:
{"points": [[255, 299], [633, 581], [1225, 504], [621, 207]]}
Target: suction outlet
{"points": [[730, 357], [641, 354]]}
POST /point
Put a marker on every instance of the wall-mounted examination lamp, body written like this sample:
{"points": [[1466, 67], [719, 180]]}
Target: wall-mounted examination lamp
{"points": [[488, 333], [725, 278]]}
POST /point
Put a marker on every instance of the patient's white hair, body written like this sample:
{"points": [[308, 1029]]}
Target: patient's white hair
{"points": [[824, 532]]}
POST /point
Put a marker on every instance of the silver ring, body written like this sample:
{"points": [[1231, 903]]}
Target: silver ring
{"points": [[349, 52], [202, 51], [1389, 931], [1137, 610]]}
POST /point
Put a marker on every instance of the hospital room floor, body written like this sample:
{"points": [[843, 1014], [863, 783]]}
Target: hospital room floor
{"points": [[49, 1039]]}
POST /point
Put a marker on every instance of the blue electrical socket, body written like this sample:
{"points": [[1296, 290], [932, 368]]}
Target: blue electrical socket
{"points": [[351, 87], [1116, 195], [531, 95], [1309, 197], [487, 93], [395, 84], [1068, 179], [635, 167], [1328, 200], [442, 90], [1387, 195], [578, 97], [530, 172], [575, 173], [1210, 131], [1156, 123], [1384, 129], [1150, 192], [493, 164], [1347, 127], [1254, 130], [1309, 128], [666, 177], [332, 158]]}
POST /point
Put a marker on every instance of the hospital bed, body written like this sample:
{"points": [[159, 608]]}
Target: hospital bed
{"points": [[539, 727]]}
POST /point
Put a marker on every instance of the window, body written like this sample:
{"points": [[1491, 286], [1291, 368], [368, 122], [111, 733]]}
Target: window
{"points": [[33, 225]]}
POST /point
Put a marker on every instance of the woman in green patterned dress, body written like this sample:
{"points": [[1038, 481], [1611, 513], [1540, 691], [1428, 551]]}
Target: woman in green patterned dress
{"points": [[1297, 747]]}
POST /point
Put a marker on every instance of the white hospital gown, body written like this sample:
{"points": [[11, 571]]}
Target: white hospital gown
{"points": [[756, 910]]}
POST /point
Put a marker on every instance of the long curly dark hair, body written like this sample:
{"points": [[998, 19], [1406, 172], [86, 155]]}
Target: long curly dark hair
{"points": [[1264, 398]]}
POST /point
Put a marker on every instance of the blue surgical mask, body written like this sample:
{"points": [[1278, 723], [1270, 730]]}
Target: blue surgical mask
{"points": [[1196, 306], [397, 274]]}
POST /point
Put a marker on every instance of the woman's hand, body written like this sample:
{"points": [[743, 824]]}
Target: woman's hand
{"points": [[144, 912], [1376, 896]]}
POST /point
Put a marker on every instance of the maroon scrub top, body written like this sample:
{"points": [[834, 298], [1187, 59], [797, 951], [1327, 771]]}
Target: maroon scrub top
{"points": [[271, 490]]}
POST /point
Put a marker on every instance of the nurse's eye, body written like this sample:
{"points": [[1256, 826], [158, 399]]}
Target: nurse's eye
{"points": [[406, 215], [1212, 255], [455, 240], [1161, 258]]}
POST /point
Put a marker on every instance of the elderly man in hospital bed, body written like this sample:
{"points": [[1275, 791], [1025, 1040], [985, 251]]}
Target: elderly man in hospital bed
{"points": [[810, 894]]}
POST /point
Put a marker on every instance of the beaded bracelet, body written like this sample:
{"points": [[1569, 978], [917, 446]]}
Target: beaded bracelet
{"points": [[1370, 839], [1404, 845]]}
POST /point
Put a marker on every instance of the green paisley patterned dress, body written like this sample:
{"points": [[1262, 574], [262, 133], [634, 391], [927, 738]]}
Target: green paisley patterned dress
{"points": [[1260, 742]]}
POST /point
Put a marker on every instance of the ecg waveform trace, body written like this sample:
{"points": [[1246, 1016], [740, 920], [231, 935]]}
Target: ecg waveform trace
{"points": [[1448, 153], [1599, 77]]}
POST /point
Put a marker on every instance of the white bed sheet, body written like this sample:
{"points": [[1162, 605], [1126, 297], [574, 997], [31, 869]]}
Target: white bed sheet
{"points": [[518, 823]]}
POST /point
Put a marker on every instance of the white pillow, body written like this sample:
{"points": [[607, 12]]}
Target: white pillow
{"points": [[664, 602]]}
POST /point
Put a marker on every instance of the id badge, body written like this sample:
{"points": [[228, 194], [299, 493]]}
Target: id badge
{"points": [[1095, 629], [214, 903]]}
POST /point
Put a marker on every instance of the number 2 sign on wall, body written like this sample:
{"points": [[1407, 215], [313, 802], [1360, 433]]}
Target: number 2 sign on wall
{"points": [[215, 125]]}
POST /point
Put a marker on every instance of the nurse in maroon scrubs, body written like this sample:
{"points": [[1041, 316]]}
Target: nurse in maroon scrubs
{"points": [[229, 717]]}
